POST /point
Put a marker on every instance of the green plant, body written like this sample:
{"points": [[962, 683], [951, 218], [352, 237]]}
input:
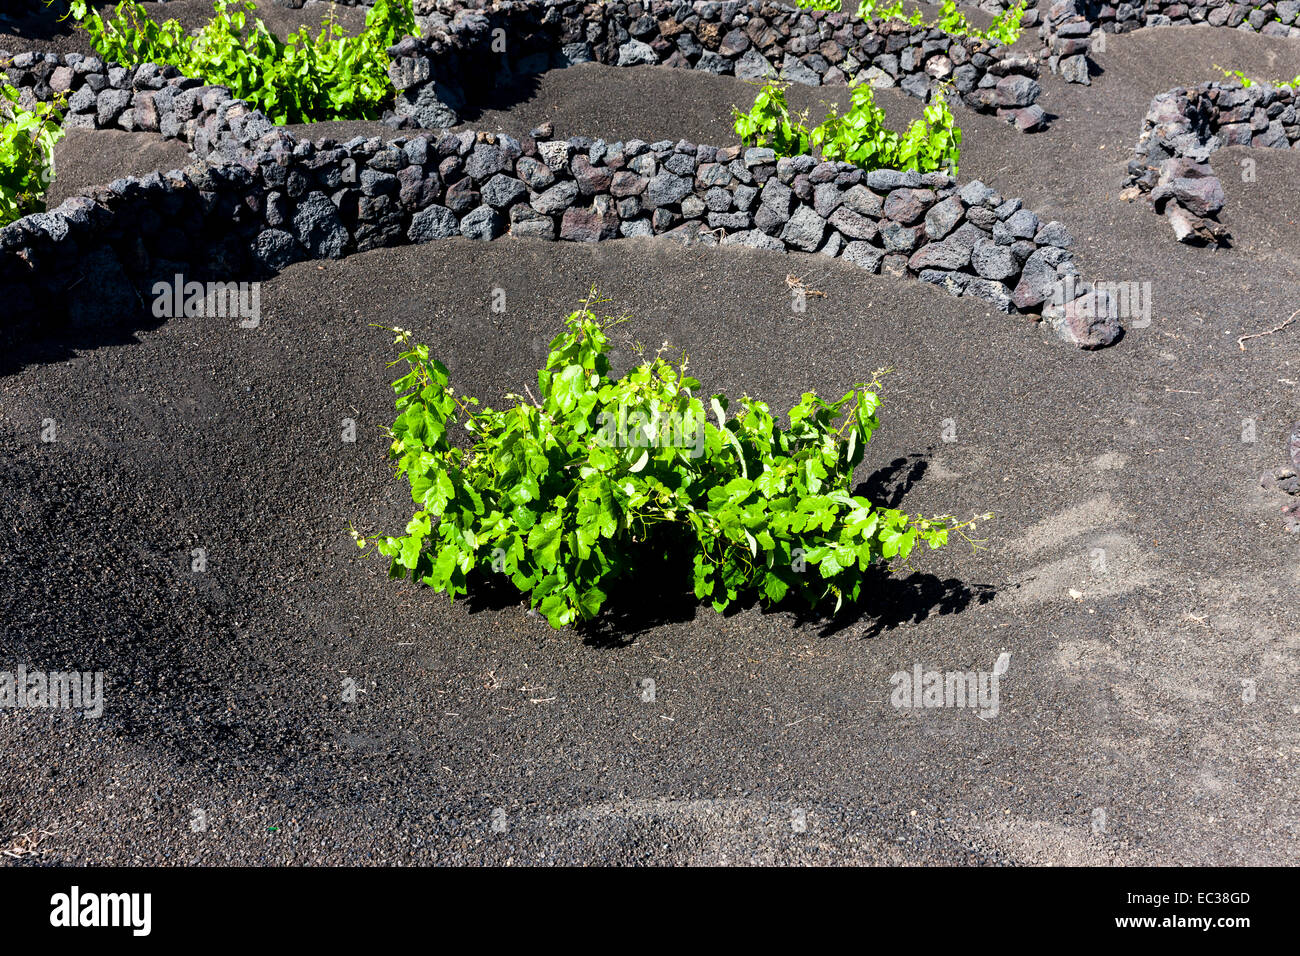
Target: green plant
{"points": [[1004, 30], [1247, 82], [769, 123], [296, 80], [859, 136], [951, 20], [931, 143], [600, 478], [876, 10], [27, 139]]}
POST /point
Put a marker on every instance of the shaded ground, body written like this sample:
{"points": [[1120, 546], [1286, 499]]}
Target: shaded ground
{"points": [[1124, 734], [87, 158]]}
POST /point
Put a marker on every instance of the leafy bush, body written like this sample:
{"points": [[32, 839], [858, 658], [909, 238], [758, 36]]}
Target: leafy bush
{"points": [[1004, 30], [1247, 82], [877, 10], [295, 80], [858, 136], [861, 137], [769, 123], [27, 139], [602, 477]]}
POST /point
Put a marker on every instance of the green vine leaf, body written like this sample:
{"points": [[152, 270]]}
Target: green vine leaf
{"points": [[601, 477]]}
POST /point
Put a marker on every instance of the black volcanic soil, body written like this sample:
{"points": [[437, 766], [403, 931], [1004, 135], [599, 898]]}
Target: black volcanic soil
{"points": [[86, 158], [1134, 571]]}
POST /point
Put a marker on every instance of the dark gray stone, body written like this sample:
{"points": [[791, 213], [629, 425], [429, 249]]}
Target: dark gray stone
{"points": [[755, 240], [854, 225], [317, 225], [863, 255], [804, 230], [483, 223], [863, 201], [943, 217], [954, 283], [556, 199], [110, 105], [899, 238], [666, 189], [754, 66], [1038, 277], [502, 191], [1054, 234], [536, 175], [993, 261], [275, 249], [990, 291], [435, 222]]}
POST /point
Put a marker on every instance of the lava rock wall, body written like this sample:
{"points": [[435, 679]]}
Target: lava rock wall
{"points": [[1069, 27], [1184, 127], [473, 47], [283, 201], [257, 200]]}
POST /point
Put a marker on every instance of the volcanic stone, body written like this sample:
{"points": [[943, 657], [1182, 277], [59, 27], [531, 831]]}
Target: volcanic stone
{"points": [[434, 222], [483, 223]]}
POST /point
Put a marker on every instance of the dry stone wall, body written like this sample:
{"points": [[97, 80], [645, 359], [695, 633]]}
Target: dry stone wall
{"points": [[465, 48], [1182, 130], [257, 199]]}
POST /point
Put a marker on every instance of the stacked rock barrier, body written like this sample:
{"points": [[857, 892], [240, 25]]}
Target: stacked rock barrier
{"points": [[256, 200], [1182, 130], [465, 48], [284, 201]]}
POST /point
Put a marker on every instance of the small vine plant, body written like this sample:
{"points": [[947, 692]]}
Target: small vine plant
{"points": [[1247, 82], [302, 78], [858, 136], [601, 478], [27, 140], [1004, 30]]}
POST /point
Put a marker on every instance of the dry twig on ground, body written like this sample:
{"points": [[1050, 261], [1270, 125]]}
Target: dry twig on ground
{"points": [[1241, 341]]}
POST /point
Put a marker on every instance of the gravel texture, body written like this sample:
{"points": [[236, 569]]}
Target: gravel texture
{"points": [[87, 158]]}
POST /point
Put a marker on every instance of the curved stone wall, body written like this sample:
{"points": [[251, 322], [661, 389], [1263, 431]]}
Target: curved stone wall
{"points": [[1069, 26], [479, 45], [257, 200], [284, 201], [1184, 127]]}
